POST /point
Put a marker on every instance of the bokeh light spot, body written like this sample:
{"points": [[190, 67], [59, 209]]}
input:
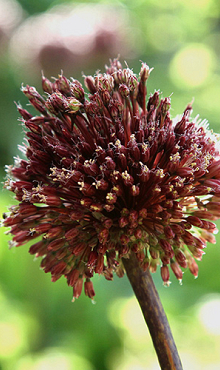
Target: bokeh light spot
{"points": [[192, 66], [132, 318], [209, 315], [11, 339], [129, 318], [204, 4], [56, 358], [53, 361]]}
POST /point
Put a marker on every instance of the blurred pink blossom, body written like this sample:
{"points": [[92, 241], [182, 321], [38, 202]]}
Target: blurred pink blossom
{"points": [[71, 38], [10, 17]]}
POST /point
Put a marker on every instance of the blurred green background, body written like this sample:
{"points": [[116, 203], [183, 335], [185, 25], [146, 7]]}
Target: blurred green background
{"points": [[40, 328]]}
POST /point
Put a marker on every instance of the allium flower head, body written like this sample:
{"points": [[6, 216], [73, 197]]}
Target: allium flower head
{"points": [[107, 174]]}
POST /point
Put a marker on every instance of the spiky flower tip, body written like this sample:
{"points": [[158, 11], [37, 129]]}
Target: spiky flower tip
{"points": [[106, 174]]}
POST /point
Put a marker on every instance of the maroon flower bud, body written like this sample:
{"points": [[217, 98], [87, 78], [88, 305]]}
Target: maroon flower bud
{"points": [[177, 229], [88, 288], [101, 184], [134, 190], [176, 270], [122, 161], [165, 259], [33, 127], [92, 259], [63, 254], [100, 261], [145, 263], [47, 85], [140, 256], [184, 171], [180, 258], [72, 277], [30, 92], [165, 245], [108, 223], [103, 236], [196, 252], [56, 102], [53, 200], [73, 105], [165, 107], [165, 274], [213, 170], [200, 190], [134, 150], [77, 90], [145, 72], [106, 97], [72, 233], [123, 90], [86, 202], [188, 238], [90, 84], [54, 232], [24, 113], [143, 213], [58, 268], [144, 174], [133, 216], [195, 221], [38, 248], [154, 253], [127, 178], [77, 289], [153, 266], [110, 164], [86, 189], [111, 198], [193, 267], [77, 249], [102, 248], [169, 232], [214, 208], [214, 184], [62, 84], [108, 274], [208, 237], [124, 239], [56, 244], [138, 233], [38, 105], [123, 221], [180, 126], [109, 207]]}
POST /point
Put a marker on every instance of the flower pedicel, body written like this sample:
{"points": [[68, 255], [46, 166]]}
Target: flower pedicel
{"points": [[107, 174]]}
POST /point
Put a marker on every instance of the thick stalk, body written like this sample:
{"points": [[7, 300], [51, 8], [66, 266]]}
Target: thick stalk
{"points": [[154, 315]]}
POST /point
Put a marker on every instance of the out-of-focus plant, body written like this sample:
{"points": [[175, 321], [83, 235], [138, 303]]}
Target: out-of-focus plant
{"points": [[10, 17], [74, 37]]}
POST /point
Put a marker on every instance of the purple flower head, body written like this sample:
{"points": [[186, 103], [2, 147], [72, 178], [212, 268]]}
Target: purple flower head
{"points": [[108, 173]]}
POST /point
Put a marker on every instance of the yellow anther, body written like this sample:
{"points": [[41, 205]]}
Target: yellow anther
{"points": [[118, 143], [159, 173], [144, 147], [109, 196], [125, 175]]}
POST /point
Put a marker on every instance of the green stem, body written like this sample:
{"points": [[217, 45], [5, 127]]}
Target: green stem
{"points": [[154, 315]]}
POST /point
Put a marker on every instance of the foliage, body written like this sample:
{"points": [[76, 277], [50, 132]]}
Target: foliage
{"points": [[169, 36]]}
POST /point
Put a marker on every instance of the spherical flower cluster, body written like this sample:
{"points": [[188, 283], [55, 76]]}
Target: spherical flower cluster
{"points": [[107, 174]]}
